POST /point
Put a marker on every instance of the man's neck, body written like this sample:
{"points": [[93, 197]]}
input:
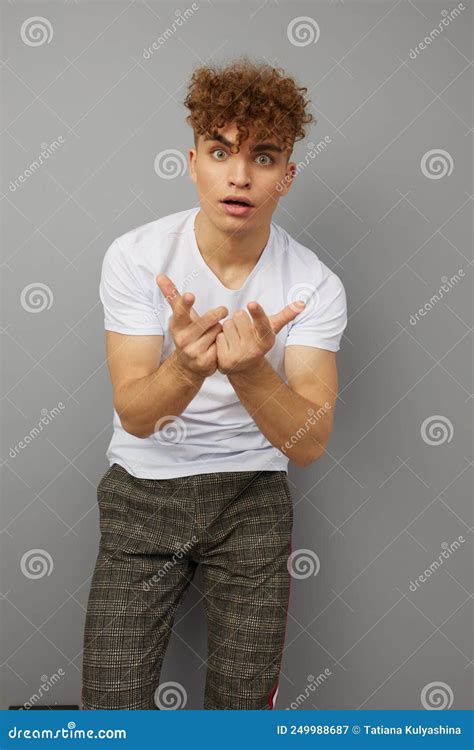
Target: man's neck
{"points": [[221, 251]]}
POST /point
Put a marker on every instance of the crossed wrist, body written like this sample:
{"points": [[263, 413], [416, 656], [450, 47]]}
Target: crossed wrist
{"points": [[187, 373], [255, 369]]}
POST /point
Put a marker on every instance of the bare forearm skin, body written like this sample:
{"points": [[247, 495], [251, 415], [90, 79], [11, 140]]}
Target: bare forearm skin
{"points": [[165, 392], [280, 412]]}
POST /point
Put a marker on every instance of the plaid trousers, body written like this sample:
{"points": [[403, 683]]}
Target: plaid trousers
{"points": [[154, 533]]}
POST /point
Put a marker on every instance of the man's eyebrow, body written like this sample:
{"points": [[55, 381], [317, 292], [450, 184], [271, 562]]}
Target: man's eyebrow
{"points": [[258, 147], [267, 147]]}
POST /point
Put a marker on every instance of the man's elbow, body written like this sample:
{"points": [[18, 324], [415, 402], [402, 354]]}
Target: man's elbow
{"points": [[307, 460], [310, 455], [132, 428]]}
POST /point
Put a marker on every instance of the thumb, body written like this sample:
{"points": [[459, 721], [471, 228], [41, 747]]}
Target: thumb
{"points": [[286, 315]]}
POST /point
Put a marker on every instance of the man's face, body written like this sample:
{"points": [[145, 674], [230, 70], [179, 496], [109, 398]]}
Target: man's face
{"points": [[258, 173]]}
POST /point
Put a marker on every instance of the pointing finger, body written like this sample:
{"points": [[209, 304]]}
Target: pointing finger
{"points": [[262, 323], [180, 304]]}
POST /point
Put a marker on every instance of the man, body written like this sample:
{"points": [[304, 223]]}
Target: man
{"points": [[214, 391]]}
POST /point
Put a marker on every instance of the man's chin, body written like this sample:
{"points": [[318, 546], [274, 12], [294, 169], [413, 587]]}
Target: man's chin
{"points": [[229, 223]]}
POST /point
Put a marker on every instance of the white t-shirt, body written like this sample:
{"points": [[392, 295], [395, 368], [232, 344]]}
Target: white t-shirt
{"points": [[215, 432]]}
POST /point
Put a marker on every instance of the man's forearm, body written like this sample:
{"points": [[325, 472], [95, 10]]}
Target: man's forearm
{"points": [[283, 416], [165, 392]]}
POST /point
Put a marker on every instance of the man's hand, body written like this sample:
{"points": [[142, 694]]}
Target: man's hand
{"points": [[194, 336], [242, 344]]}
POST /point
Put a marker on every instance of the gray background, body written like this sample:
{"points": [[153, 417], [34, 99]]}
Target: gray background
{"points": [[377, 508]]}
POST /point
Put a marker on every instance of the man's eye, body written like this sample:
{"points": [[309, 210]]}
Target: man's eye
{"points": [[265, 156], [217, 151]]}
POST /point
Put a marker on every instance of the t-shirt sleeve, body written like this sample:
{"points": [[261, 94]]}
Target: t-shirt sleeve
{"points": [[128, 307], [323, 320]]}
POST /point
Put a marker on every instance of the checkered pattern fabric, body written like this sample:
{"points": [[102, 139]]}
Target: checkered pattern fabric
{"points": [[154, 534]]}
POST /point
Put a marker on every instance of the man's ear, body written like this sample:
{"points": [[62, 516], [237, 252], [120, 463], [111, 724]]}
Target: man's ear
{"points": [[289, 177], [192, 156]]}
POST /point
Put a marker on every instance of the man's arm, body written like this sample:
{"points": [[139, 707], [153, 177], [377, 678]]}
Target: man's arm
{"points": [[296, 418], [145, 391]]}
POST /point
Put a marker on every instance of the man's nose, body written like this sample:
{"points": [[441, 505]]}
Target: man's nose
{"points": [[239, 173]]}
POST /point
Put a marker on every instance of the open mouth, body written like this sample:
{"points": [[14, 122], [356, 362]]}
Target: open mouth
{"points": [[232, 202]]}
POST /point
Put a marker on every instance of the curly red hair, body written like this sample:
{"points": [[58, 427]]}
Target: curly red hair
{"points": [[261, 100]]}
